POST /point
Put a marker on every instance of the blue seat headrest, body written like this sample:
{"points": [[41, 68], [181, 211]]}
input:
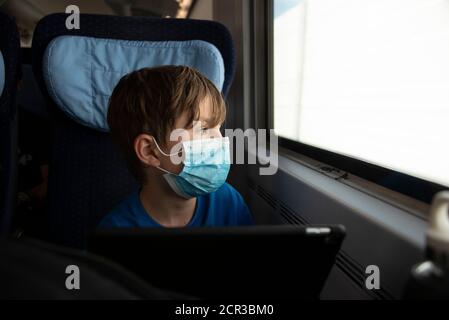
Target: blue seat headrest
{"points": [[81, 72], [2, 73]]}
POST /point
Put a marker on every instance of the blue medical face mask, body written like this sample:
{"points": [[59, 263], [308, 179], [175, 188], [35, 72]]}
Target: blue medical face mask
{"points": [[206, 167]]}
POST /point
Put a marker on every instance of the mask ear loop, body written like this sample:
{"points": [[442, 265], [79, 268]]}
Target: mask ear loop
{"points": [[165, 154], [165, 171]]}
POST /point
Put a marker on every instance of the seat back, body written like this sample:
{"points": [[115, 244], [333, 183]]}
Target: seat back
{"points": [[34, 270], [77, 71], [9, 72]]}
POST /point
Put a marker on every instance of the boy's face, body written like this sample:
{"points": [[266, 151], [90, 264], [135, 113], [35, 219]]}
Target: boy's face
{"points": [[150, 156], [200, 129]]}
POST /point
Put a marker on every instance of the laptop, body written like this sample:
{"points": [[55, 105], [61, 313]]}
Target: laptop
{"points": [[282, 261]]}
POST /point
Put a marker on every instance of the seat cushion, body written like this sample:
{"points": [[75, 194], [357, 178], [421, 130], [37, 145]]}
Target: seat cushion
{"points": [[81, 72]]}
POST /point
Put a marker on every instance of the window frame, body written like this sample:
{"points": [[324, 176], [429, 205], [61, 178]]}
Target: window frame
{"points": [[408, 185]]}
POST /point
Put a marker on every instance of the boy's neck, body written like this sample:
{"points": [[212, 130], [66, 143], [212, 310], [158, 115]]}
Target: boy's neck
{"points": [[165, 207]]}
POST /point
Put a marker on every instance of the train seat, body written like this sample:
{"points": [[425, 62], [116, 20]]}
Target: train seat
{"points": [[9, 73], [77, 71]]}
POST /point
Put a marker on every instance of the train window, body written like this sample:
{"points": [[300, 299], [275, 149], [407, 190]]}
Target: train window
{"points": [[365, 79]]}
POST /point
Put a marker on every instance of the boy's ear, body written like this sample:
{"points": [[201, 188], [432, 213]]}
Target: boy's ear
{"points": [[146, 151]]}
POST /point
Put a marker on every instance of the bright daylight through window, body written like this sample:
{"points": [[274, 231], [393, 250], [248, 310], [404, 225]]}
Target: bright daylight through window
{"points": [[368, 79]]}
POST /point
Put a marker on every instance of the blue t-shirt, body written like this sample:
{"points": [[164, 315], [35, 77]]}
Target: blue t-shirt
{"points": [[224, 207]]}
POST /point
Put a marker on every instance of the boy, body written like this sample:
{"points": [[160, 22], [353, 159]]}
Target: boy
{"points": [[182, 182]]}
